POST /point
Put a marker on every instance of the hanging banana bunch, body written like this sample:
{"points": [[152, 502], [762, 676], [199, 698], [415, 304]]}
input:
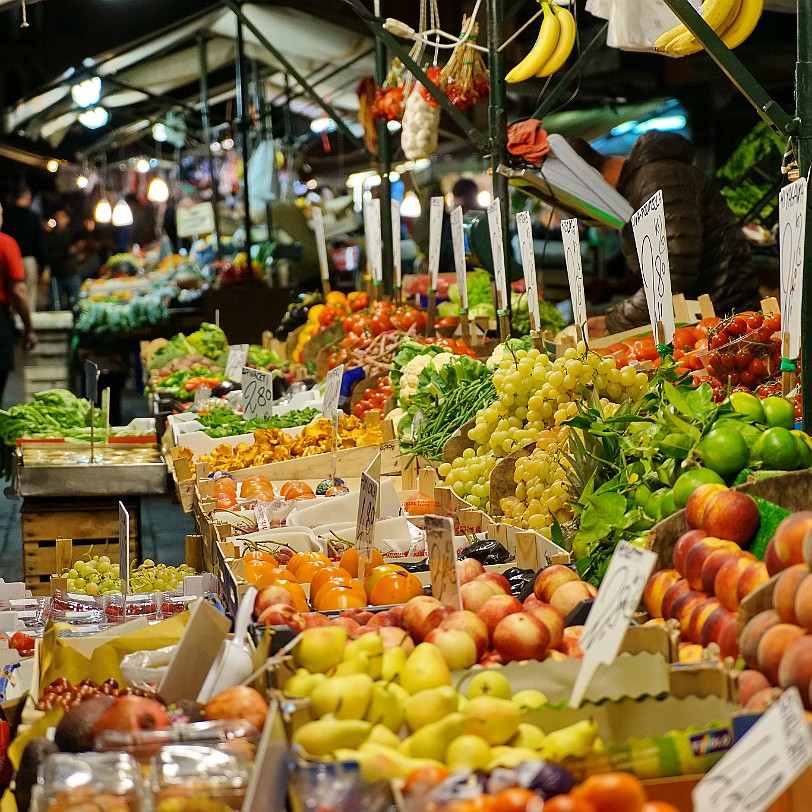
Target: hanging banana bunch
{"points": [[553, 45], [732, 20]]}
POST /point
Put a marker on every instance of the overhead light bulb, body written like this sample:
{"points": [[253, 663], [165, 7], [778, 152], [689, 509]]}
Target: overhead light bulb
{"points": [[324, 124], [103, 212], [393, 125], [82, 181], [228, 143], [52, 165], [87, 93], [159, 132], [215, 147], [94, 117], [410, 206], [158, 191], [484, 198], [142, 166], [122, 214]]}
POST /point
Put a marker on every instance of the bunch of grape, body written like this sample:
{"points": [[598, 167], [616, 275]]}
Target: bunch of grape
{"points": [[534, 394], [97, 575], [152, 577], [62, 692]]}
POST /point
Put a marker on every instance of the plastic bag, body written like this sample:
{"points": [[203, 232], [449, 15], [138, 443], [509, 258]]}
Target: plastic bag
{"points": [[421, 122], [145, 669], [634, 25], [263, 180], [600, 8]]}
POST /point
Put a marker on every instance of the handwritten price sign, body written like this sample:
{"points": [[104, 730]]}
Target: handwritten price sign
{"points": [[445, 583], [648, 226], [237, 355], [618, 599], [525, 230], [332, 390], [458, 241], [435, 237], [498, 251], [365, 521], [321, 244], [396, 242], [257, 394], [762, 764], [571, 240], [792, 229], [124, 546]]}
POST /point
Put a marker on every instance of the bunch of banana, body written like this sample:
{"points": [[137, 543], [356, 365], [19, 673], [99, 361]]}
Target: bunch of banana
{"points": [[553, 45], [732, 20]]}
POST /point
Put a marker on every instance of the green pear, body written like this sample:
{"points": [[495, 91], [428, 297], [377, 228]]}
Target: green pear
{"points": [[496, 720], [468, 752], [320, 648], [325, 735], [302, 682], [576, 740], [387, 705], [425, 668], [347, 697], [511, 756], [381, 763], [530, 700], [381, 734], [358, 664], [430, 706], [370, 645], [432, 740], [528, 736], [392, 661], [490, 682]]}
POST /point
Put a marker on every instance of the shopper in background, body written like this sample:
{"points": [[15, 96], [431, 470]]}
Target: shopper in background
{"points": [[465, 193], [707, 251], [88, 251], [63, 264], [13, 294], [25, 227]]}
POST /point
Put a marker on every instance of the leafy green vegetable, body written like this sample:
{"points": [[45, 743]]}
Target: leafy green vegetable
{"points": [[223, 422], [260, 357]]}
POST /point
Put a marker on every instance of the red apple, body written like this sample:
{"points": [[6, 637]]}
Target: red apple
{"points": [[415, 612], [655, 590], [531, 600], [521, 636], [551, 618], [395, 637], [280, 614], [497, 607], [569, 595], [313, 620], [550, 578], [683, 544], [269, 595], [497, 579], [457, 647], [435, 618], [360, 616], [347, 623], [476, 592], [471, 624], [698, 500], [468, 569], [570, 642]]}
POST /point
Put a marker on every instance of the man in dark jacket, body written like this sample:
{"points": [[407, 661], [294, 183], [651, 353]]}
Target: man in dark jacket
{"points": [[707, 251]]}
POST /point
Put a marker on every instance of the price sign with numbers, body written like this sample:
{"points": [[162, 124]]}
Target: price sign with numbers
{"points": [[92, 381], [367, 515], [321, 243], [571, 240], [648, 225], [498, 251], [436, 209], [458, 241], [445, 582], [525, 230], [791, 230], [332, 390], [124, 547], [762, 764], [237, 355], [257, 394], [261, 515], [396, 242], [618, 599]]}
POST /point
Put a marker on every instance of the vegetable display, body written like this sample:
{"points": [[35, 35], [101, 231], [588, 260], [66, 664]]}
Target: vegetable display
{"points": [[221, 421]]}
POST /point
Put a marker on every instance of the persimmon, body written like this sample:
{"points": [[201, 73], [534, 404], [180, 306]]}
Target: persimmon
{"points": [[296, 489], [514, 799], [307, 569], [299, 558], [349, 560], [395, 587], [260, 555], [612, 792], [376, 573], [334, 596], [425, 778], [325, 574]]}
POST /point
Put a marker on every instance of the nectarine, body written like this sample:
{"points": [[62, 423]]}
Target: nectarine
{"points": [[796, 668], [752, 633], [786, 588], [683, 545], [726, 584], [803, 603], [732, 515], [773, 645], [655, 589], [789, 537], [750, 681]]}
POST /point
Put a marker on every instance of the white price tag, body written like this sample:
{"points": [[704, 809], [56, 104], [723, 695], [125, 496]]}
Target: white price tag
{"points": [[372, 235], [365, 522], [445, 583], [792, 229], [458, 241], [762, 764], [105, 407], [396, 257], [648, 225], [437, 207], [321, 243], [237, 354], [525, 231], [498, 251], [261, 514], [124, 547], [618, 599], [572, 256], [257, 394], [332, 390]]}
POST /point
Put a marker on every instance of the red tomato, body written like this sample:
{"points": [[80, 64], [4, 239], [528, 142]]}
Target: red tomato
{"points": [[773, 322], [380, 323], [357, 300], [361, 408]]}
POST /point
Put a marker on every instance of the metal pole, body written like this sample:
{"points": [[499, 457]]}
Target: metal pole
{"points": [[242, 120], [803, 117], [203, 61], [384, 166], [259, 105]]}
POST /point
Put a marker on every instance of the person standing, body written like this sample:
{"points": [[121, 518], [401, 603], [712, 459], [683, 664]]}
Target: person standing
{"points": [[13, 295], [63, 264], [25, 227]]}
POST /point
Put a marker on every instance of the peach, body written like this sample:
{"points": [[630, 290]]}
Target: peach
{"points": [[772, 646], [655, 590], [761, 700], [753, 632], [550, 578], [796, 668], [732, 515], [497, 579], [496, 608], [699, 554], [569, 642], [550, 617], [698, 500], [771, 559], [468, 569], [569, 595], [714, 625], [786, 587], [726, 585], [476, 592], [701, 612], [713, 564], [674, 591], [751, 579], [469, 623], [726, 639], [683, 607], [690, 653], [789, 537], [750, 681], [683, 545], [803, 603]]}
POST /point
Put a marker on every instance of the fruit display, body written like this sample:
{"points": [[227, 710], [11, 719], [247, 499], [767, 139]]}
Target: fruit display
{"points": [[733, 22], [553, 46], [97, 575], [373, 398]]}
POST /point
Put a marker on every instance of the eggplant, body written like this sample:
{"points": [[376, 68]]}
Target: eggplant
{"points": [[224, 388], [280, 386], [416, 566], [281, 332], [486, 549]]}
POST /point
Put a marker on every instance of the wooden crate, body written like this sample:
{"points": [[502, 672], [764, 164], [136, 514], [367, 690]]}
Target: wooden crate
{"points": [[89, 522]]}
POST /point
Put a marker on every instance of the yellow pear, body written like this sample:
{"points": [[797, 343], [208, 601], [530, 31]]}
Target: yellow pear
{"points": [[387, 705], [302, 682], [496, 720], [381, 763], [392, 661], [511, 756], [468, 752], [489, 682], [429, 706], [381, 734], [325, 735], [432, 740], [425, 668], [320, 648], [347, 697], [370, 645], [358, 664], [530, 700], [528, 736], [576, 740]]}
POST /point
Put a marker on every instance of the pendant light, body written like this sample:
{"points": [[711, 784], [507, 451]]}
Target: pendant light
{"points": [[122, 214], [411, 205], [103, 212], [158, 191]]}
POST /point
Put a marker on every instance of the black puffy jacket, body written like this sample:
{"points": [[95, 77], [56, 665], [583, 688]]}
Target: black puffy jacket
{"points": [[706, 249]]}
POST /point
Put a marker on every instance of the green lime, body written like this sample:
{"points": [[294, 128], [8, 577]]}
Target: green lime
{"points": [[652, 506], [804, 449], [747, 405], [580, 549], [667, 504], [641, 495], [777, 449], [724, 450], [779, 412], [689, 481], [676, 445]]}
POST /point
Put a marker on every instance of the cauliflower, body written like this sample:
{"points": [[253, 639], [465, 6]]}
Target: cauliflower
{"points": [[441, 359], [410, 374], [495, 357]]}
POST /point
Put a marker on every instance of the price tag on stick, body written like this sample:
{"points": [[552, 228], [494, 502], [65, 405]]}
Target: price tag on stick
{"points": [[365, 521], [445, 582], [618, 599], [124, 548], [575, 272], [792, 229], [237, 355], [762, 764], [458, 241], [437, 207], [332, 390], [525, 230], [396, 260], [376, 248], [498, 251], [321, 247], [257, 394], [648, 226]]}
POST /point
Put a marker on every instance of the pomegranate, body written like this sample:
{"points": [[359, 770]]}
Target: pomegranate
{"points": [[239, 702], [131, 714]]}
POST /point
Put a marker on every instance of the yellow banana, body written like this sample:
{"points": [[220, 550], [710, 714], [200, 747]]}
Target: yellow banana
{"points": [[718, 14], [687, 43], [541, 51], [746, 20], [566, 39]]}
